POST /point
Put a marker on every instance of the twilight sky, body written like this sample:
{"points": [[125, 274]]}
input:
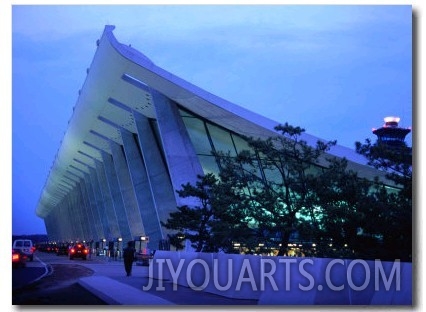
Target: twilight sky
{"points": [[336, 71]]}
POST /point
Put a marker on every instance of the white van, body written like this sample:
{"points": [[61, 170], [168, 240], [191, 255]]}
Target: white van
{"points": [[25, 246]]}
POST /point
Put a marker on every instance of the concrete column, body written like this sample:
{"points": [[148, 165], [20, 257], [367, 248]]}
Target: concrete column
{"points": [[142, 189], [88, 200], [69, 232], [50, 222], [64, 231], [58, 215], [182, 161], [73, 221], [127, 190], [116, 196], [157, 174], [73, 206], [109, 218], [83, 210], [102, 222], [67, 217], [97, 207], [80, 209]]}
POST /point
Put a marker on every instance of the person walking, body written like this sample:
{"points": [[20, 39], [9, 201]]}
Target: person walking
{"points": [[129, 257]]}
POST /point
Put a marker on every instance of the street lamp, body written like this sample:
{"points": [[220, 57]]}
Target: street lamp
{"points": [[119, 246], [103, 246]]}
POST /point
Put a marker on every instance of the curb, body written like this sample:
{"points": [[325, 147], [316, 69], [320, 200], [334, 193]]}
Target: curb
{"points": [[116, 293]]}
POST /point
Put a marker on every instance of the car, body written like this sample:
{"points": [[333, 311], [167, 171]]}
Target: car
{"points": [[25, 246], [144, 257], [62, 249], [78, 251], [19, 259]]}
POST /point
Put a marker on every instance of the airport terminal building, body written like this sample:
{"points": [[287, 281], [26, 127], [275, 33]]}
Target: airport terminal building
{"points": [[137, 133]]}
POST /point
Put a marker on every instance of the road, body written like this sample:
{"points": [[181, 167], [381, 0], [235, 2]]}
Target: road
{"points": [[56, 285], [61, 285]]}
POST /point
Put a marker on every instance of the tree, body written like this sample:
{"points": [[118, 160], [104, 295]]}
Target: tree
{"points": [[193, 223], [275, 179], [391, 218], [395, 160], [213, 225], [230, 225], [281, 185], [341, 199], [288, 187]]}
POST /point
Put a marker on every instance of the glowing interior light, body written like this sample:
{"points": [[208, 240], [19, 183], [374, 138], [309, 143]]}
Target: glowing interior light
{"points": [[392, 119]]}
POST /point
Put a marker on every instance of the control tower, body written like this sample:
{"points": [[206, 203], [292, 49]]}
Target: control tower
{"points": [[390, 134]]}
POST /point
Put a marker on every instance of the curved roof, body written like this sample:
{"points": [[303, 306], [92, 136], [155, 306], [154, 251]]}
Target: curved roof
{"points": [[120, 74]]}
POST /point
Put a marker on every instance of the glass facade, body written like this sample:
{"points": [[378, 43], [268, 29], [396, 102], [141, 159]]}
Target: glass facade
{"points": [[208, 138]]}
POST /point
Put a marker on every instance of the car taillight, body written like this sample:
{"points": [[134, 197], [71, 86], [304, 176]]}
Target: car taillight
{"points": [[72, 250], [86, 251], [15, 257]]}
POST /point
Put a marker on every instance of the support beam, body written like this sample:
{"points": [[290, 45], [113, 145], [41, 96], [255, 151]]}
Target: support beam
{"points": [[101, 225], [142, 189], [87, 195], [131, 203], [157, 174], [182, 161], [109, 217], [116, 196]]}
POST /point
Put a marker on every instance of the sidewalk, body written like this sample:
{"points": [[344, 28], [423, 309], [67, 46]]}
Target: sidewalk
{"points": [[110, 283]]}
